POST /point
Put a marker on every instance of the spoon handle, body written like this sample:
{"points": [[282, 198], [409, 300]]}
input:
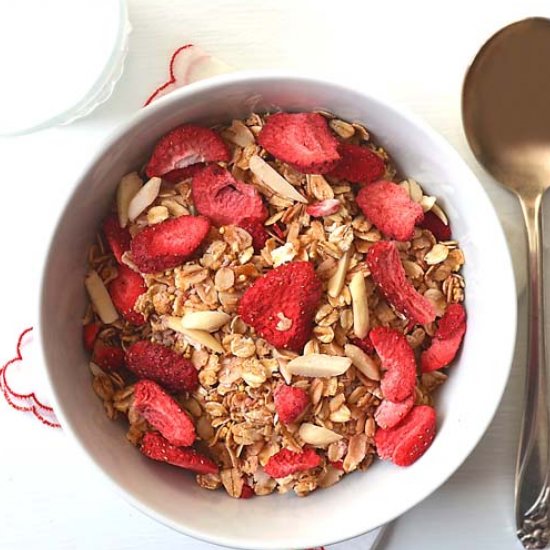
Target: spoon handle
{"points": [[532, 491]]}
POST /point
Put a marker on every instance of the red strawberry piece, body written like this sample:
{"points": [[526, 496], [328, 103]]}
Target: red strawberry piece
{"points": [[108, 357], [161, 364], [407, 442], [388, 273], [180, 174], [225, 200], [358, 164], [158, 448], [389, 207], [446, 341], [389, 414], [323, 208], [433, 223], [257, 232], [117, 237], [339, 465], [125, 289], [247, 491], [169, 243], [278, 230], [291, 291], [290, 402], [89, 335], [164, 413], [397, 358], [287, 462], [302, 140], [364, 343], [183, 146]]}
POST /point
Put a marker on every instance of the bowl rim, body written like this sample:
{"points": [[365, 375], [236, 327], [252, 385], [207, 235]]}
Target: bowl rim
{"points": [[251, 76]]}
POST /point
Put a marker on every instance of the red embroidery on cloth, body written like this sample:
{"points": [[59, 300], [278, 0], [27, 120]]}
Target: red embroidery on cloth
{"points": [[25, 402], [172, 79]]}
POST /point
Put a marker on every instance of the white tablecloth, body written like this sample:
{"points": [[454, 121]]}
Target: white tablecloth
{"points": [[413, 52]]}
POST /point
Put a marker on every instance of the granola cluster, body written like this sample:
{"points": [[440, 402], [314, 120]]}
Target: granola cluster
{"points": [[193, 309]]}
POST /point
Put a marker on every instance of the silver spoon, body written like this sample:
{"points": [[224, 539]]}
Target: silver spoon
{"points": [[506, 115]]}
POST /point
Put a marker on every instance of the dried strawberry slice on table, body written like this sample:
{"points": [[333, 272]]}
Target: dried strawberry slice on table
{"points": [[447, 339], [169, 243], [435, 224], [407, 442], [398, 361], [117, 237], [290, 402], [108, 357], [163, 365], [302, 140], [125, 289], [281, 304], [358, 164], [163, 413], [184, 146], [389, 275], [156, 447], [389, 207], [287, 462], [389, 413], [226, 200]]}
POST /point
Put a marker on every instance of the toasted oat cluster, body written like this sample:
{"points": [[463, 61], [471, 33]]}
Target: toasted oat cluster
{"points": [[272, 305]]}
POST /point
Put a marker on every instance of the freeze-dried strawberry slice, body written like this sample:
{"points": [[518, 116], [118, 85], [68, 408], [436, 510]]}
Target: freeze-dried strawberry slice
{"points": [[408, 441], [364, 343], [257, 231], [389, 207], [117, 237], [434, 224], [287, 462], [388, 273], [108, 357], [225, 200], [89, 335], [389, 414], [281, 304], [169, 243], [163, 413], [159, 363], [323, 208], [290, 402], [184, 146], [447, 339], [179, 174], [302, 140], [125, 289], [156, 447], [397, 358], [358, 164]]}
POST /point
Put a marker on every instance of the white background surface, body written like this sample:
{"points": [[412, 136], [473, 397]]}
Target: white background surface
{"points": [[413, 52]]}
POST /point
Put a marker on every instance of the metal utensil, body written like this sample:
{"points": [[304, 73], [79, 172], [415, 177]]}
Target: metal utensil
{"points": [[506, 115]]}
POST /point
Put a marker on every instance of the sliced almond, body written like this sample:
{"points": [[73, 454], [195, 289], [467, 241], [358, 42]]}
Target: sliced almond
{"points": [[319, 365], [157, 214], [438, 211], [336, 282], [100, 298], [272, 179], [427, 202], [344, 129], [199, 336], [358, 291], [317, 435], [127, 189], [143, 198], [205, 320], [413, 189], [239, 134], [437, 254], [362, 362]]}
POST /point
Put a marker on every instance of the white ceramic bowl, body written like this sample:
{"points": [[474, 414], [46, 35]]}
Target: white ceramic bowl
{"points": [[362, 501]]}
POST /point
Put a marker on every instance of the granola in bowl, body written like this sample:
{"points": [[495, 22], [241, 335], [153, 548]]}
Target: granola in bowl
{"points": [[272, 305]]}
